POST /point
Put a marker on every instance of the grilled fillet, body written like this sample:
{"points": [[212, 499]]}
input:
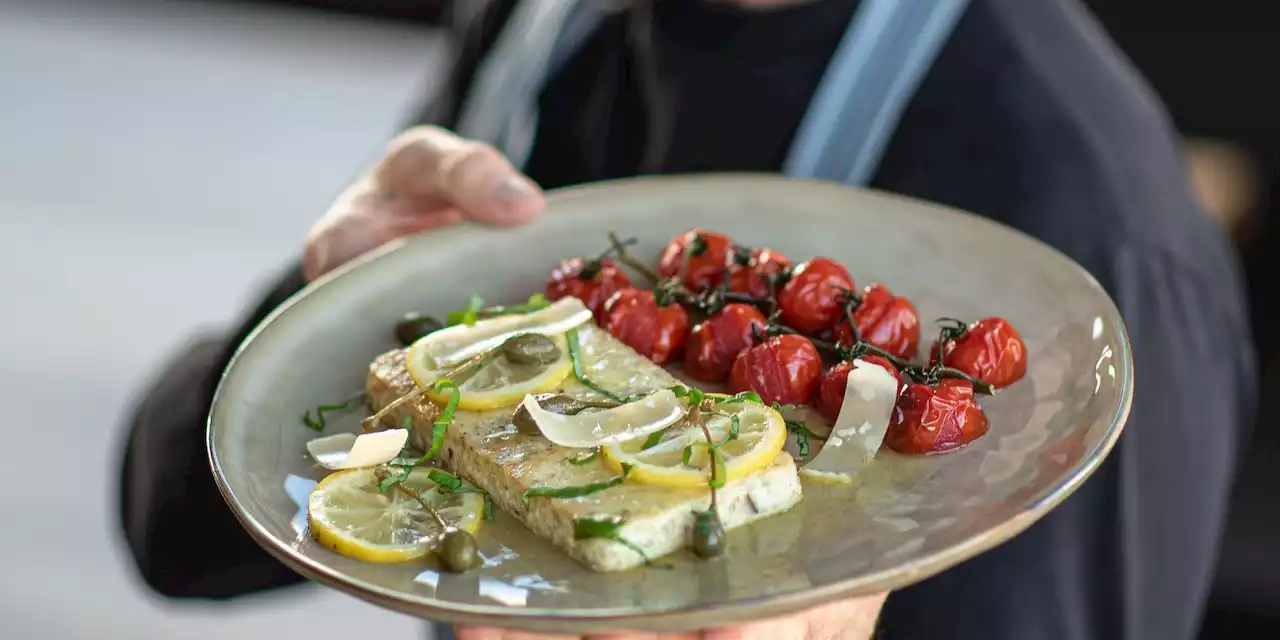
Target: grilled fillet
{"points": [[485, 448]]}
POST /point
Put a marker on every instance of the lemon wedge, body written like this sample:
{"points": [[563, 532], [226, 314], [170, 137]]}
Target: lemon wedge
{"points": [[347, 513], [498, 383], [681, 460], [455, 345]]}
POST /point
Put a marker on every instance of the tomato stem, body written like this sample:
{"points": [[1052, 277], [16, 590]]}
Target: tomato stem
{"points": [[620, 248]]}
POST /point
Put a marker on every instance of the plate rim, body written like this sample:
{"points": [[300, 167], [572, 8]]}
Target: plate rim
{"points": [[683, 618]]}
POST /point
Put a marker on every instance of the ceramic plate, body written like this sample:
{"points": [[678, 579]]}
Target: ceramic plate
{"points": [[902, 521]]}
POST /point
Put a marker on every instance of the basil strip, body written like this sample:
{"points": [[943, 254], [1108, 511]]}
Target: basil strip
{"points": [[575, 355], [576, 492]]}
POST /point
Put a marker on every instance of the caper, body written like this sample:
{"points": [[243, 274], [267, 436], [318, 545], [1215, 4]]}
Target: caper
{"points": [[708, 537], [413, 327], [555, 403], [458, 553], [530, 348]]}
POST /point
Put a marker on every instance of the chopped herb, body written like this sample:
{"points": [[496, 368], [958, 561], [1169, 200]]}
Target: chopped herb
{"points": [[745, 396], [581, 460], [717, 469], [447, 482], [469, 315], [575, 356], [576, 492], [450, 483], [694, 396], [393, 479], [319, 422], [609, 529], [441, 424], [688, 456], [535, 302], [803, 435], [653, 439], [735, 426]]}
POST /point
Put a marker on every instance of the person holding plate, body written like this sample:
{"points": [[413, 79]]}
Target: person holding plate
{"points": [[1018, 110]]}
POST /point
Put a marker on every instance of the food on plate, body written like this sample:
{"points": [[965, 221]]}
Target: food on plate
{"points": [[882, 320], [933, 418], [702, 256], [593, 281], [559, 411], [715, 343], [782, 369], [812, 299], [655, 331], [755, 272], [990, 350]]}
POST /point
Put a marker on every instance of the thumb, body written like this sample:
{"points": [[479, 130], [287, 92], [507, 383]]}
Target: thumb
{"points": [[434, 164]]}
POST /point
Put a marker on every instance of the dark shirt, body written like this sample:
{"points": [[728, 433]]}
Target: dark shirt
{"points": [[1029, 117]]}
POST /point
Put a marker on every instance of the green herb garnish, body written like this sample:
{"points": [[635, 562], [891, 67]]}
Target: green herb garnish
{"points": [[469, 315], [581, 460], [575, 356], [687, 458], [745, 396], [609, 529], [450, 483], [576, 492], [385, 484], [319, 422], [441, 424], [803, 435], [653, 439]]}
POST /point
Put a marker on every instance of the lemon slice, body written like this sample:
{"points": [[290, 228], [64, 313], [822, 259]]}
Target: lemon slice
{"points": [[761, 436], [499, 383], [348, 514], [455, 345]]}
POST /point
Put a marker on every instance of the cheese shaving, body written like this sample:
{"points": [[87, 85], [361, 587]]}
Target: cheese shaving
{"points": [[454, 345], [633, 420], [349, 451], [869, 397]]}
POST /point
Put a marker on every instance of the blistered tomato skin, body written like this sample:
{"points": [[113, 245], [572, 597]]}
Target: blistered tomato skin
{"points": [[783, 369], [935, 419], [886, 321], [990, 350], [810, 301], [716, 342], [832, 387], [635, 319], [707, 266], [753, 278], [593, 287]]}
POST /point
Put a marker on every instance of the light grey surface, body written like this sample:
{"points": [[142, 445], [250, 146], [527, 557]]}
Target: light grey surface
{"points": [[158, 160]]}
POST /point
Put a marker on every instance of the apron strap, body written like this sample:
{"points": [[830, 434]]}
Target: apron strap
{"points": [[540, 35], [882, 59]]}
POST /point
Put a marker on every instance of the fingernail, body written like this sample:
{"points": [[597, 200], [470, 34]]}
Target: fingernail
{"points": [[511, 189]]}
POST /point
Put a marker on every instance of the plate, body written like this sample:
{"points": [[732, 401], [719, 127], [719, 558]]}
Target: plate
{"points": [[905, 519]]}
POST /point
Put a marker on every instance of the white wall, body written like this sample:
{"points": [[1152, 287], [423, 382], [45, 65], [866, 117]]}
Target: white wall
{"points": [[158, 160]]}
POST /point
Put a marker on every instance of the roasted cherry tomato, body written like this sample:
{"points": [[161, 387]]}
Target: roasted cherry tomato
{"points": [[886, 321], [708, 260], [591, 281], [990, 350], [716, 342], [753, 277], [935, 419], [783, 369], [810, 301], [832, 386], [658, 333]]}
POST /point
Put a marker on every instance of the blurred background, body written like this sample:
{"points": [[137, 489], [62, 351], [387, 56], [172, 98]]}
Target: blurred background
{"points": [[160, 160]]}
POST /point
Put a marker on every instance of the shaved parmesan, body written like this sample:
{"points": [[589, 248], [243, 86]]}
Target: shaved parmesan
{"points": [[454, 345], [349, 451], [633, 420], [869, 397]]}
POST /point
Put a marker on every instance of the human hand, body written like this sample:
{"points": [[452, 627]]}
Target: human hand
{"points": [[428, 179], [853, 619]]}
